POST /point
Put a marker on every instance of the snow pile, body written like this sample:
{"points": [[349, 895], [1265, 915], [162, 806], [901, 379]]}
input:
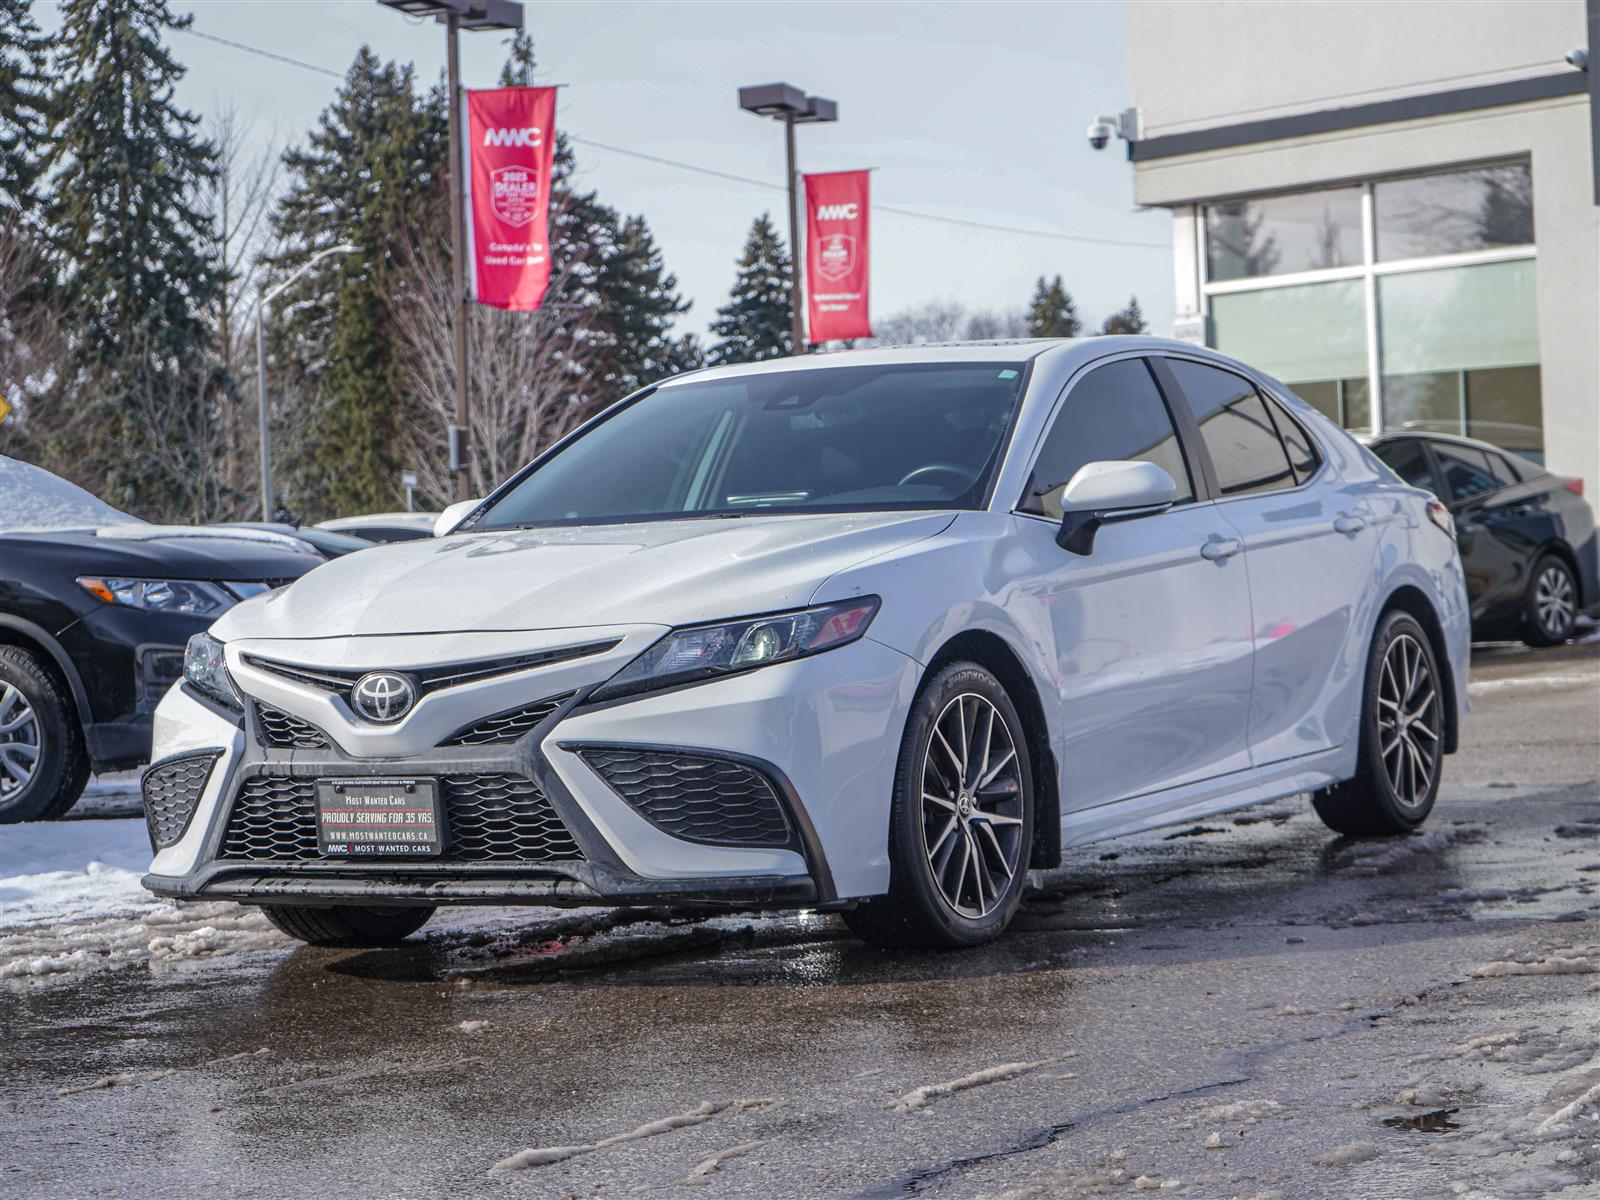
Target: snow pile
{"points": [[61, 870], [710, 1166], [1391, 854], [698, 1115], [1563, 961], [920, 1097], [1532, 1051], [1344, 1156], [32, 498], [232, 533], [1436, 1093], [1238, 1115]]}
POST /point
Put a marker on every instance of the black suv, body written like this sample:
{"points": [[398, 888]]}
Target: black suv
{"points": [[95, 610], [1527, 537]]}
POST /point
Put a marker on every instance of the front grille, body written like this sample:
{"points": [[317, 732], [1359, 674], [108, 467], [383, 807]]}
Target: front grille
{"points": [[488, 818], [172, 789], [507, 726], [285, 731], [693, 797]]}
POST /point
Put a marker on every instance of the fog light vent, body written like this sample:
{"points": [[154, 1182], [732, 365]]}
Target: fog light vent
{"points": [[172, 788], [716, 801]]}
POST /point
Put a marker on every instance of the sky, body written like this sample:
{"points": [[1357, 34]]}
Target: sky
{"points": [[973, 111]]}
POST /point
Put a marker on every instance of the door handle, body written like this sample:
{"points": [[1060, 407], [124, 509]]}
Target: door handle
{"points": [[1349, 523], [1220, 549]]}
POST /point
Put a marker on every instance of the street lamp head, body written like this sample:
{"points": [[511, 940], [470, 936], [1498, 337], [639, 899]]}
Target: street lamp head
{"points": [[778, 100], [470, 14], [818, 111]]}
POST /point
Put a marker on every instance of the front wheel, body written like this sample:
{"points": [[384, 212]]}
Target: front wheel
{"points": [[1401, 739], [352, 926], [43, 764], [961, 824], [1551, 603]]}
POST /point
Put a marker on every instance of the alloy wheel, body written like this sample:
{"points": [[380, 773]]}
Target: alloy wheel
{"points": [[1408, 720], [1553, 601], [19, 740], [972, 805]]}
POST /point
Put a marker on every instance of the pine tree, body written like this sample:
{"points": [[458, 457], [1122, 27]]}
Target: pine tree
{"points": [[370, 175], [125, 165], [641, 304], [1127, 320], [23, 97], [1052, 314], [755, 324]]}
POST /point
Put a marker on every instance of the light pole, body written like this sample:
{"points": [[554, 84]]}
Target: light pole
{"points": [[261, 368], [456, 15], [787, 103]]}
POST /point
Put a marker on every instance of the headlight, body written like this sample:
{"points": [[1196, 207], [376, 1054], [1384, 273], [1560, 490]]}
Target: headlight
{"points": [[187, 596], [206, 670], [704, 651]]}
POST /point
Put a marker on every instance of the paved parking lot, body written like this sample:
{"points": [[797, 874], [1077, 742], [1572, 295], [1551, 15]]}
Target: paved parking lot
{"points": [[1251, 1007]]}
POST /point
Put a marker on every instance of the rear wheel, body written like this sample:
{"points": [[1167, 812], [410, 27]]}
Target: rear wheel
{"points": [[1402, 737], [962, 819], [1551, 604], [43, 764], [353, 926]]}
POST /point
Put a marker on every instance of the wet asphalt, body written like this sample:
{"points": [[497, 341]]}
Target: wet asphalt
{"points": [[1250, 1007]]}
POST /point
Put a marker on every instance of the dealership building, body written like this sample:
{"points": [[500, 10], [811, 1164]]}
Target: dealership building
{"points": [[1392, 207]]}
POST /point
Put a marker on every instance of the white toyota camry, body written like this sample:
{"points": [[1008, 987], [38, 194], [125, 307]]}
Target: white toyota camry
{"points": [[874, 632]]}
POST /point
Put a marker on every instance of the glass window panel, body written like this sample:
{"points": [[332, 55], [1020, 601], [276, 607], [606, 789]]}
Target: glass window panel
{"points": [[1458, 318], [1409, 460], [1303, 456], [1275, 235], [1309, 331], [1113, 413], [1503, 407], [1427, 402], [1322, 395], [1237, 429], [1501, 470], [1459, 211], [1466, 471], [1357, 397]]}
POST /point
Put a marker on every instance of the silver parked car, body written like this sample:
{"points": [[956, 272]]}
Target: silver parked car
{"points": [[874, 631]]}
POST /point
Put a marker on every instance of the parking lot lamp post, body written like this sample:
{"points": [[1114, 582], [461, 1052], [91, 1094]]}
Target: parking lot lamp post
{"points": [[261, 368], [456, 15], [787, 103]]}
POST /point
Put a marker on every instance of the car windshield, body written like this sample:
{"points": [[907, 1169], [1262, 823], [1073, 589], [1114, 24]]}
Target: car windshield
{"points": [[826, 439]]}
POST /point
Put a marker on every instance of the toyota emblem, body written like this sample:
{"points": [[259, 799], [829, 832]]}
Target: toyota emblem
{"points": [[383, 697]]}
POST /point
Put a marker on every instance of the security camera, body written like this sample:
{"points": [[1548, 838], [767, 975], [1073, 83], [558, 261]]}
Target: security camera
{"points": [[1100, 134], [1578, 58]]}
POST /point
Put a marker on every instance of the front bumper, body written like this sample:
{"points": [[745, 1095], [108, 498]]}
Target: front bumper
{"points": [[822, 730]]}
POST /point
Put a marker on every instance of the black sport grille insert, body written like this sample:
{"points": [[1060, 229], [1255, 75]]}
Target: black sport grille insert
{"points": [[488, 818], [285, 731], [507, 726], [699, 798], [171, 790]]}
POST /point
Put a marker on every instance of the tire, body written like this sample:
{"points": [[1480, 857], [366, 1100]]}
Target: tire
{"points": [[353, 926], [1393, 792], [1550, 606], [43, 763], [931, 808]]}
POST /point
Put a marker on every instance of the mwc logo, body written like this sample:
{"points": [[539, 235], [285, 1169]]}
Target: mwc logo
{"points": [[530, 137], [838, 212]]}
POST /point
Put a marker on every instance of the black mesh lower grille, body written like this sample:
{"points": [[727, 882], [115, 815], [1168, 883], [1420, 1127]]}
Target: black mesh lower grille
{"points": [[507, 726], [488, 818], [172, 789], [285, 731], [699, 799]]}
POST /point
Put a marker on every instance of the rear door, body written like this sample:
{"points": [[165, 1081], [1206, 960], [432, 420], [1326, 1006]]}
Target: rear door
{"points": [[1309, 550]]}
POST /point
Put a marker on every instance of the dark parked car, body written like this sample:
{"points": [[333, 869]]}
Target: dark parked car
{"points": [[1527, 537], [384, 527], [95, 610]]}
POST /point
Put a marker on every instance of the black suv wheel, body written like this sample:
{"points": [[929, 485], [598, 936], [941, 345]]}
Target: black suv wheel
{"points": [[43, 765]]}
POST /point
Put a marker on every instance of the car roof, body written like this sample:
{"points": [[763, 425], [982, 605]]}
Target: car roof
{"points": [[402, 520], [1389, 435]]}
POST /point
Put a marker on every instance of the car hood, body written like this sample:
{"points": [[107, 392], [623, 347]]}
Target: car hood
{"points": [[657, 572], [145, 552]]}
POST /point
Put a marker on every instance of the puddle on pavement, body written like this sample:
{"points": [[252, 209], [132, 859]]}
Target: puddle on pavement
{"points": [[1437, 1121]]}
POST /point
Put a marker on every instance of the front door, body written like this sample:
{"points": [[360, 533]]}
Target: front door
{"points": [[1149, 637]]}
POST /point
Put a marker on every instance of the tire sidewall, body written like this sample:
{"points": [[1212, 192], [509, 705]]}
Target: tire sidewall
{"points": [[909, 866], [37, 795], [1389, 629], [1536, 627]]}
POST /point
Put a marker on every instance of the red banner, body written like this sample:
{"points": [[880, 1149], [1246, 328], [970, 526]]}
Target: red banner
{"points": [[836, 256], [511, 142]]}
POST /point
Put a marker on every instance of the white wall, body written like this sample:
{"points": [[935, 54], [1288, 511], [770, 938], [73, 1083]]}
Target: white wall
{"points": [[1213, 62]]}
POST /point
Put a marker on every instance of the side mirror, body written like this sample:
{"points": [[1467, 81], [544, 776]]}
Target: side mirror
{"points": [[453, 515], [1103, 492]]}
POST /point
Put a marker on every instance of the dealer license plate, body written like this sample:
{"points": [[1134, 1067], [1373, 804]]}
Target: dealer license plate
{"points": [[378, 818]]}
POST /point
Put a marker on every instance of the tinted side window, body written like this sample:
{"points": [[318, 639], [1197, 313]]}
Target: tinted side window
{"points": [[1466, 471], [1303, 456], [1409, 460], [1501, 470], [1238, 431], [1113, 413]]}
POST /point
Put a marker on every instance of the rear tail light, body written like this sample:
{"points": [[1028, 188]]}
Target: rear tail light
{"points": [[1575, 486], [1440, 516]]}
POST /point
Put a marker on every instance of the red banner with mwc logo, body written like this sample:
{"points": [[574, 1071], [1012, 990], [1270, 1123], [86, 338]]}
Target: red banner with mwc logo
{"points": [[511, 142], [836, 256]]}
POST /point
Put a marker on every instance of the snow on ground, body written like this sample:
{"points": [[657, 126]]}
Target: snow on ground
{"points": [[61, 870]]}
